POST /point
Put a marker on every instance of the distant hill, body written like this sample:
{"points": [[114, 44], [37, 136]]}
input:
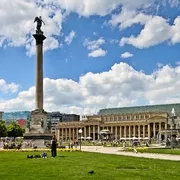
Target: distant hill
{"points": [[16, 115]]}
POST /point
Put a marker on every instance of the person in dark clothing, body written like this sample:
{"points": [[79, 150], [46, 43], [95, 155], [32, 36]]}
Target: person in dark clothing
{"points": [[53, 146]]}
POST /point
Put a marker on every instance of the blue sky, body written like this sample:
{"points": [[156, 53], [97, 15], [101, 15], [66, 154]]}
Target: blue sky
{"points": [[96, 55]]}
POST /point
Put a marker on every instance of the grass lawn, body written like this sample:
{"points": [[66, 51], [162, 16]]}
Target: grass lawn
{"points": [[163, 151], [157, 150], [76, 165]]}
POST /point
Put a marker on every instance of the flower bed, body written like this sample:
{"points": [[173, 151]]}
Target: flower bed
{"points": [[39, 150], [139, 149]]}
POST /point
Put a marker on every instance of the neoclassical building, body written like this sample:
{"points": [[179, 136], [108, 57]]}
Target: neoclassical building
{"points": [[140, 121]]}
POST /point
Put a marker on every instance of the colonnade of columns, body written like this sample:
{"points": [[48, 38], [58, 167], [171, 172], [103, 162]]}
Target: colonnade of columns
{"points": [[118, 131]]}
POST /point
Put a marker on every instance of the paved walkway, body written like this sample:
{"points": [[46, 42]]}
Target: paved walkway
{"points": [[116, 150]]}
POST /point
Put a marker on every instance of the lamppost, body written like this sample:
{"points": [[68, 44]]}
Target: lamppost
{"points": [[173, 130], [80, 132]]}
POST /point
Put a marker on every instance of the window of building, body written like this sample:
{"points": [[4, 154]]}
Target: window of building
{"points": [[147, 116]]}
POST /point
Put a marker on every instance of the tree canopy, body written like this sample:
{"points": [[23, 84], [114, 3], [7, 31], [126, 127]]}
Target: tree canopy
{"points": [[3, 129], [14, 130]]}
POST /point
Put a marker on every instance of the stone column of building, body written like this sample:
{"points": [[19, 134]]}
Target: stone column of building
{"points": [[144, 133], [125, 131], [154, 130], [120, 132], [85, 132], [73, 134], [58, 134], [65, 129], [149, 131], [112, 129], [165, 126], [160, 131], [77, 134], [62, 133], [93, 132], [98, 132], [139, 131], [69, 133], [89, 131], [134, 130], [129, 131], [116, 133]]}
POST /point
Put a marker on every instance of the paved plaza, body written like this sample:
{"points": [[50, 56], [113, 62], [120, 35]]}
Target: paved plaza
{"points": [[117, 151]]}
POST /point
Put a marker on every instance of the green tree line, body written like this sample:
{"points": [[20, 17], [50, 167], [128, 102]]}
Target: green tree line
{"points": [[11, 130]]}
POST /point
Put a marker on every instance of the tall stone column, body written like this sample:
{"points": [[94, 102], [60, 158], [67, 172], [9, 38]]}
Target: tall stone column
{"points": [[149, 131], [139, 131], [134, 130], [85, 132], [129, 131], [124, 131], [66, 134], [39, 69], [73, 134], [154, 130], [159, 131], [144, 133], [98, 132], [116, 133], [93, 132], [120, 132], [62, 134], [58, 134]]}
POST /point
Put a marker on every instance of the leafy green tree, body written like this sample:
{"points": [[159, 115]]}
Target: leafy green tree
{"points": [[14, 130], [3, 129]]}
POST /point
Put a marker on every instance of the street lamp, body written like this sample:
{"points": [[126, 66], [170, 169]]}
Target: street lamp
{"points": [[80, 132], [173, 130]]}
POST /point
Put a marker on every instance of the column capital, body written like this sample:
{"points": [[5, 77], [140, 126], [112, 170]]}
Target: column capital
{"points": [[39, 38]]}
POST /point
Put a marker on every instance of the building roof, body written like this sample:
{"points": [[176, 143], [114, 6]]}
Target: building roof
{"points": [[139, 109]]}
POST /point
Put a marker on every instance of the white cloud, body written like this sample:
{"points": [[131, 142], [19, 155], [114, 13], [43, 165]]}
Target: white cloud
{"points": [[70, 37], [159, 65], [113, 41], [94, 47], [127, 18], [8, 88], [120, 86], [97, 53], [17, 26], [126, 55], [155, 31], [99, 7]]}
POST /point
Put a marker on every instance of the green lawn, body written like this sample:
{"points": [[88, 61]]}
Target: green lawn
{"points": [[76, 165], [156, 150]]}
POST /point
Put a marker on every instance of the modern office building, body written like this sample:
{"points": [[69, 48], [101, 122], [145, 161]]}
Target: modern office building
{"points": [[55, 117], [127, 122]]}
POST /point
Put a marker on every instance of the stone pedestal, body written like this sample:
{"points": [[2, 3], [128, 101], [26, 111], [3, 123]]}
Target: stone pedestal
{"points": [[38, 130]]}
